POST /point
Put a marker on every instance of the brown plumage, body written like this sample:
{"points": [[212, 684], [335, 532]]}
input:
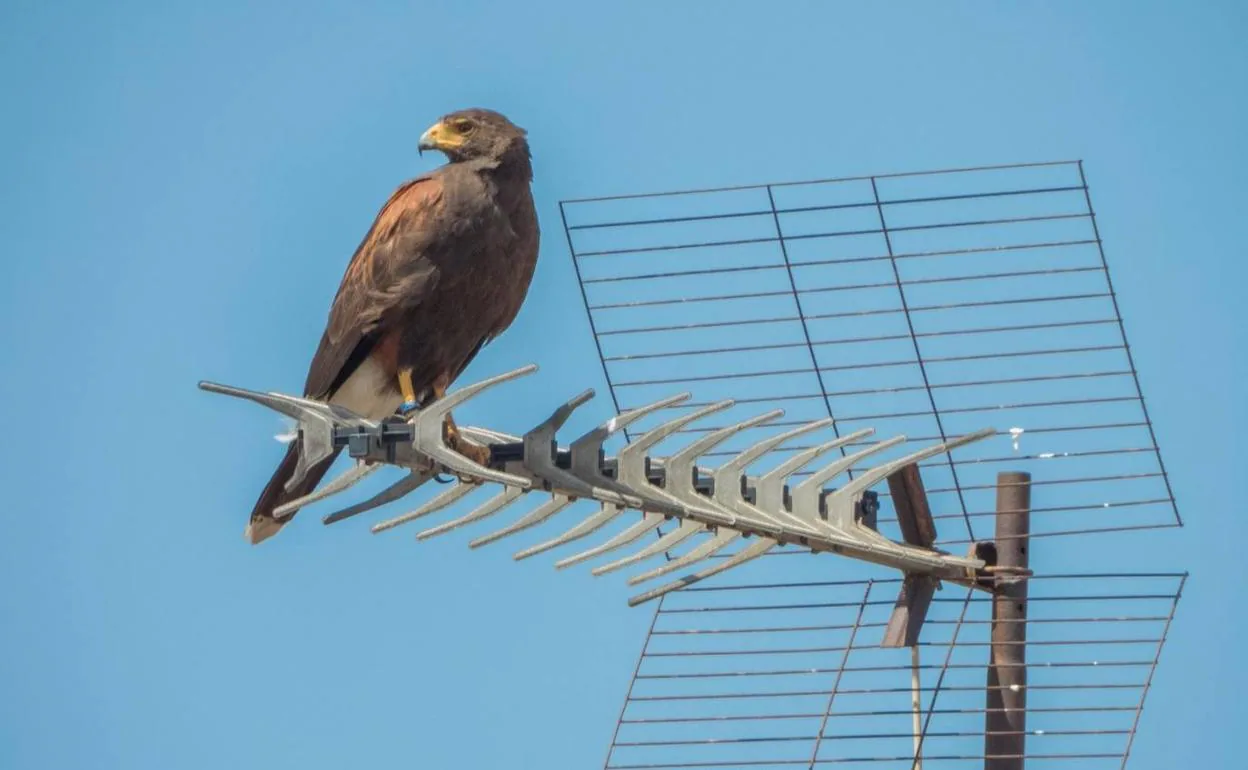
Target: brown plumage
{"points": [[443, 270]]}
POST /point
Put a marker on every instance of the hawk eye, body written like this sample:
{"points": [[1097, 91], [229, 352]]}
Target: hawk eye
{"points": [[464, 126]]}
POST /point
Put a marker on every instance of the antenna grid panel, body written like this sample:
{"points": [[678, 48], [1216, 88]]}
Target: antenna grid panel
{"points": [[929, 304]]}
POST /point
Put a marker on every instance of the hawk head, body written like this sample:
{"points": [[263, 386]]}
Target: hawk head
{"points": [[475, 133]]}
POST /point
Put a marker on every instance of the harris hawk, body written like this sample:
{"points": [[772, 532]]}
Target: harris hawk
{"points": [[442, 271]]}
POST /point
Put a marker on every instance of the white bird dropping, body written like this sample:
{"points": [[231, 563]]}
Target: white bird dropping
{"points": [[290, 433], [1015, 434]]}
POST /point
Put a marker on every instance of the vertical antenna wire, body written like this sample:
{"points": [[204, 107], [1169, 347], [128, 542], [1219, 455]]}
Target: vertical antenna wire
{"points": [[918, 355], [801, 314], [628, 696], [840, 671], [1122, 329]]}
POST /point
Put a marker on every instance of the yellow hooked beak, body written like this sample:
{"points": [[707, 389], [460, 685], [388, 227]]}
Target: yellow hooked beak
{"points": [[440, 136]]}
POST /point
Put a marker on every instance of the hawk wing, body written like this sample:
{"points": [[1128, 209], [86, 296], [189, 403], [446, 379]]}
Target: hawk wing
{"points": [[387, 273]]}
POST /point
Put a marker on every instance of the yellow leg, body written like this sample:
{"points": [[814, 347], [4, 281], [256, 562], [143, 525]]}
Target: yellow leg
{"points": [[408, 391]]}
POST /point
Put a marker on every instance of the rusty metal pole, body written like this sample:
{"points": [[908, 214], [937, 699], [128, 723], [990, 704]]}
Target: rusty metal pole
{"points": [[1005, 728]]}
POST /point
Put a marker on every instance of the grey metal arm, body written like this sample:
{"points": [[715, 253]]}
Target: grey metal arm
{"points": [[657, 488]]}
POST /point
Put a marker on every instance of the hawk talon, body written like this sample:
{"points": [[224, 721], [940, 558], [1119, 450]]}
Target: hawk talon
{"points": [[474, 452]]}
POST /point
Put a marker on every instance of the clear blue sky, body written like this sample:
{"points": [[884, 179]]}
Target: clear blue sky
{"points": [[184, 182]]}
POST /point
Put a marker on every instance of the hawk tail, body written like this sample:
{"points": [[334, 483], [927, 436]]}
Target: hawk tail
{"points": [[263, 524]]}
